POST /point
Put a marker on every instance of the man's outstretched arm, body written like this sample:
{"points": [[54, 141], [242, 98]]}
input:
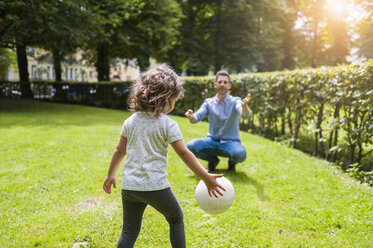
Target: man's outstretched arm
{"points": [[190, 115], [199, 115], [245, 107]]}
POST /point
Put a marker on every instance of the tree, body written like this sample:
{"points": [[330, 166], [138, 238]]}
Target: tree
{"points": [[270, 41], [191, 52], [365, 30], [66, 25], [237, 35], [132, 29], [22, 26], [7, 59], [313, 15], [290, 37]]}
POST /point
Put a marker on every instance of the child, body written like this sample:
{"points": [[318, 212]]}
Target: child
{"points": [[144, 138]]}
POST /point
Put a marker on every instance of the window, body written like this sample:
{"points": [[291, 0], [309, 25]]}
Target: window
{"points": [[33, 71], [50, 74], [67, 73], [91, 74], [76, 76]]}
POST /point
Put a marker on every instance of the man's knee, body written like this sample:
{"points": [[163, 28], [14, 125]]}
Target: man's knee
{"points": [[196, 145], [239, 154], [190, 146]]}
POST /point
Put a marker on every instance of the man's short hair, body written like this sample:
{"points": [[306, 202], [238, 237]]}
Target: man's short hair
{"points": [[222, 73]]}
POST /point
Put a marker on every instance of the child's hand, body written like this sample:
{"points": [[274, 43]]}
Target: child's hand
{"points": [[108, 182], [213, 186]]}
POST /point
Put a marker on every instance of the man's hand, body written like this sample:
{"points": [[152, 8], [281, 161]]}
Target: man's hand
{"points": [[189, 114], [246, 100], [245, 108]]}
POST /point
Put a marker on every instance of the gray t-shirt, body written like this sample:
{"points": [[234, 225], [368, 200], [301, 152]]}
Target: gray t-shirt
{"points": [[145, 166]]}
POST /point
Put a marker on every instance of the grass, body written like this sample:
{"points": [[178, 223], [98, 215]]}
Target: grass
{"points": [[54, 158]]}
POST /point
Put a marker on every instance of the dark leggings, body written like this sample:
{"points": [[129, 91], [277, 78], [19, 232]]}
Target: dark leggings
{"points": [[164, 201]]}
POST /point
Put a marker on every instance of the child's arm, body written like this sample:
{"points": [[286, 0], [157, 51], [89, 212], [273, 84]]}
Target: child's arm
{"points": [[191, 161], [116, 159]]}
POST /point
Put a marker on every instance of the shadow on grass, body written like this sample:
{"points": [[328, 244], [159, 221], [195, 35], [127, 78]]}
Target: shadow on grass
{"points": [[240, 177], [40, 113]]}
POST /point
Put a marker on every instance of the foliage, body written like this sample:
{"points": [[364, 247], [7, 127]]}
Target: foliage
{"points": [[365, 30], [239, 35], [22, 22], [132, 29], [195, 37], [7, 59], [65, 28]]}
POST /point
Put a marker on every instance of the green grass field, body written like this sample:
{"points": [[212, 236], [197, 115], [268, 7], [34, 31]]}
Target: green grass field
{"points": [[54, 158]]}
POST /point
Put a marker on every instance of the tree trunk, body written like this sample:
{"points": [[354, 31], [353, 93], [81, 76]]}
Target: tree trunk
{"points": [[335, 143], [360, 139], [352, 154], [315, 43], [57, 57], [23, 71], [297, 128], [288, 45], [290, 122], [102, 64], [143, 63], [298, 119], [318, 135], [316, 151], [218, 58], [335, 130], [351, 137], [283, 122]]}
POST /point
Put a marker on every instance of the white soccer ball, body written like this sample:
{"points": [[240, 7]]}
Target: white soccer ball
{"points": [[213, 205]]}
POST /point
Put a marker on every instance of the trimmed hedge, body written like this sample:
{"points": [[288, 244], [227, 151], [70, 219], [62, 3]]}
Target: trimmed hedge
{"points": [[327, 112], [101, 94]]}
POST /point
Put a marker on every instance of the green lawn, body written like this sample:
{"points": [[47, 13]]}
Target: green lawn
{"points": [[54, 158]]}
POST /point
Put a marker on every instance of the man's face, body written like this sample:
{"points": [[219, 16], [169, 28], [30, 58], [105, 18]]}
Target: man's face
{"points": [[222, 85]]}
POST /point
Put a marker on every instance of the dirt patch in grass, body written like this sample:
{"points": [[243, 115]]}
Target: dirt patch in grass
{"points": [[96, 203]]}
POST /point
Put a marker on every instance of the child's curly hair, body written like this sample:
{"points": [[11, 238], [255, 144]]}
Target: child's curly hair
{"points": [[154, 89]]}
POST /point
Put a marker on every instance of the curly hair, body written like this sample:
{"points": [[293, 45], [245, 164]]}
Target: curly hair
{"points": [[154, 89]]}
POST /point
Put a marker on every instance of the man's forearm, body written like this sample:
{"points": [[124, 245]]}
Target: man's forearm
{"points": [[245, 110]]}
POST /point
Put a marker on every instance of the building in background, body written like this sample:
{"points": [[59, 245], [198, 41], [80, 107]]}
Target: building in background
{"points": [[74, 68], [124, 70]]}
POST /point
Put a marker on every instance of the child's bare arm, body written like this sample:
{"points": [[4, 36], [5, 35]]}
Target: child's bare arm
{"points": [[116, 159], [191, 161]]}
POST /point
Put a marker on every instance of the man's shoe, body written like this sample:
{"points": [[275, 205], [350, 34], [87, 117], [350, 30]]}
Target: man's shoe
{"points": [[231, 166], [212, 165]]}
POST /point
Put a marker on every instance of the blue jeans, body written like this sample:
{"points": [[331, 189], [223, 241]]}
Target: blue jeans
{"points": [[209, 150]]}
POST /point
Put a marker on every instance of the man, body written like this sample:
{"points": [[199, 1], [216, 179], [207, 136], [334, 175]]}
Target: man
{"points": [[223, 138]]}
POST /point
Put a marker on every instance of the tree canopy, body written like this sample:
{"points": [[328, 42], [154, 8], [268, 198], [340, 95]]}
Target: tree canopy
{"points": [[193, 36]]}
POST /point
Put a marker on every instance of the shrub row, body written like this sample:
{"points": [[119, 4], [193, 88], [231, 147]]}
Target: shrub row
{"points": [[327, 112], [101, 94]]}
